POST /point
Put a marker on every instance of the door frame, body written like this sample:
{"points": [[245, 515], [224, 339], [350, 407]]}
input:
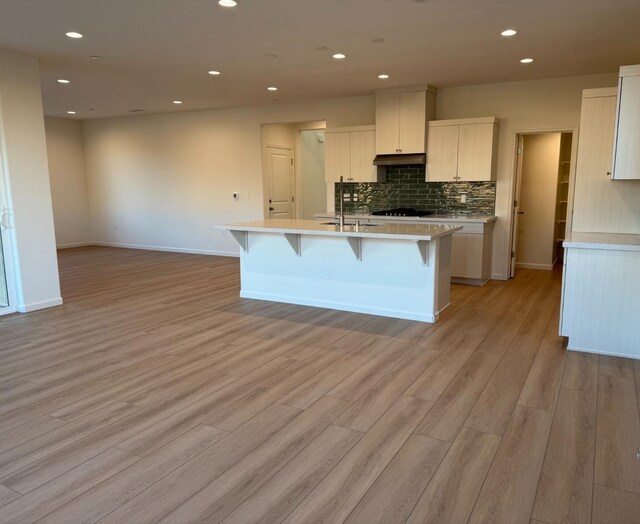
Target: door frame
{"points": [[8, 242], [514, 191], [292, 181]]}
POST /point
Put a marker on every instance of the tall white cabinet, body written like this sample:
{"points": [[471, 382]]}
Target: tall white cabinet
{"points": [[601, 282], [349, 152], [462, 150]]}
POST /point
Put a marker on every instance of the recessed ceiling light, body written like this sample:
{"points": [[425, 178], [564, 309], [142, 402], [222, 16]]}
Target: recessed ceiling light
{"points": [[383, 77], [526, 60], [177, 102], [96, 57], [71, 112], [228, 3], [63, 81], [74, 34], [272, 88], [270, 55], [339, 56], [509, 32], [214, 73]]}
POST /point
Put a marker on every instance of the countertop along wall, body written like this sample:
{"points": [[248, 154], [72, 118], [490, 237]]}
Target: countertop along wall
{"points": [[164, 181]]}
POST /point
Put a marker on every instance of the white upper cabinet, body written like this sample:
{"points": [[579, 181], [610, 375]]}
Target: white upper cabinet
{"points": [[363, 151], [462, 150], [626, 152], [401, 119], [349, 152]]}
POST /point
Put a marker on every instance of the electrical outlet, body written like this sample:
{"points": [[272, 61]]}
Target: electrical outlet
{"points": [[463, 199]]}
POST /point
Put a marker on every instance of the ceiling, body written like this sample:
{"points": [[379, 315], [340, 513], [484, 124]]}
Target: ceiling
{"points": [[156, 51]]}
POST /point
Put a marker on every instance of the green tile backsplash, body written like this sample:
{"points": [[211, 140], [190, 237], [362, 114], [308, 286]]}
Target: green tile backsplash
{"points": [[405, 187]]}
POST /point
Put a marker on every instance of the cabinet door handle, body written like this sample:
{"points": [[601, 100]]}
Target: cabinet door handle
{"points": [[271, 209]]}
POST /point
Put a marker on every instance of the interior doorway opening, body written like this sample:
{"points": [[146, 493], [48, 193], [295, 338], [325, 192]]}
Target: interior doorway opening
{"points": [[542, 199], [293, 176]]}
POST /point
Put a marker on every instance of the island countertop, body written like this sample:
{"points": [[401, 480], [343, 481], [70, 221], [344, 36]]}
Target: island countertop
{"points": [[316, 228], [462, 219]]}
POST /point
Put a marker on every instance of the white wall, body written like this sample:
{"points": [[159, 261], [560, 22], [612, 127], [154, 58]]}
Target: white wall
{"points": [[68, 181], [311, 159], [24, 157], [165, 181], [536, 231], [537, 105]]}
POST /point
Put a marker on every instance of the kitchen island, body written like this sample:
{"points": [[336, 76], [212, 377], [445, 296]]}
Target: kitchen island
{"points": [[392, 270]]}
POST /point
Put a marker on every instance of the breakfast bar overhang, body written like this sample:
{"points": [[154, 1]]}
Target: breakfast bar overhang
{"points": [[392, 270]]}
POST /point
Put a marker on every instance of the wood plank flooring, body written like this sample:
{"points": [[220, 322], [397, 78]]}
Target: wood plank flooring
{"points": [[155, 394]]}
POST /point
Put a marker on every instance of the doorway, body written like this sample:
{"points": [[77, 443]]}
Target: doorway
{"points": [[541, 200], [293, 178], [313, 187]]}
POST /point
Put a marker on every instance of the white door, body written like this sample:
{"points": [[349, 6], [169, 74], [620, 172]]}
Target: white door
{"points": [[281, 190], [7, 282]]}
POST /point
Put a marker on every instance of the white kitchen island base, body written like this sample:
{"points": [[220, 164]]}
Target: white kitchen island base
{"points": [[397, 271]]}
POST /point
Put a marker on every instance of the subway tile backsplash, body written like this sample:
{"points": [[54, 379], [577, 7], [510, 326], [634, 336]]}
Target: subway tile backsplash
{"points": [[405, 187]]}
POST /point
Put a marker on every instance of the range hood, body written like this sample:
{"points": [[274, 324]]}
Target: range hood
{"points": [[410, 159]]}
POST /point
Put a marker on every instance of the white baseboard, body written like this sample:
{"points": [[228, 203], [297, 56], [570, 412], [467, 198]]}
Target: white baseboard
{"points": [[75, 244], [272, 297], [524, 265], [168, 249], [499, 276], [35, 306], [606, 353]]}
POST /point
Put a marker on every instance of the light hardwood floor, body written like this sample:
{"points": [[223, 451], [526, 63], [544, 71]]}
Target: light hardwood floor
{"points": [[155, 394]]}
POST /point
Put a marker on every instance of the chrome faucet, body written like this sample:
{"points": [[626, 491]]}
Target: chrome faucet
{"points": [[341, 191]]}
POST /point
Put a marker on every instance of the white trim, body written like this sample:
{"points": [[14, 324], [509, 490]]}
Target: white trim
{"points": [[7, 310], [168, 249], [273, 297], [525, 265], [499, 276], [34, 306], [607, 353], [74, 244]]}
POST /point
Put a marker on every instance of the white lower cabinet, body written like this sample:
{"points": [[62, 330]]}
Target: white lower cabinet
{"points": [[471, 252], [600, 290]]}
